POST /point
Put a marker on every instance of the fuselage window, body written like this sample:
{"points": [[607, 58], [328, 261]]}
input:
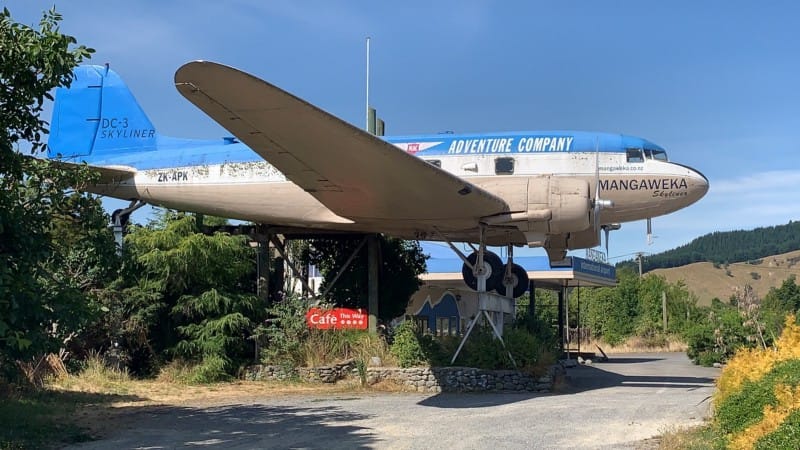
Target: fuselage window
{"points": [[504, 166], [434, 162], [635, 155]]}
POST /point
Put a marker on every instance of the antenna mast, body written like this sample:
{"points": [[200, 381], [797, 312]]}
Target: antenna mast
{"points": [[367, 108]]}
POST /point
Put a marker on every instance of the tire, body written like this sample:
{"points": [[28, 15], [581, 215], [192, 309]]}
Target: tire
{"points": [[520, 277], [493, 264]]}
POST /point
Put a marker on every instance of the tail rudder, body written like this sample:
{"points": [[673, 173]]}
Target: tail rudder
{"points": [[98, 117]]}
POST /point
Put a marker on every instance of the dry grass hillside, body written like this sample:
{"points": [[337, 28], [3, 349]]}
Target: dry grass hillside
{"points": [[707, 281]]}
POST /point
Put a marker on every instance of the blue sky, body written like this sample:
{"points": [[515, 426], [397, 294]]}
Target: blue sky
{"points": [[716, 83]]}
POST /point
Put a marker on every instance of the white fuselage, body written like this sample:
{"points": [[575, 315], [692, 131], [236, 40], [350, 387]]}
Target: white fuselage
{"points": [[258, 192]]}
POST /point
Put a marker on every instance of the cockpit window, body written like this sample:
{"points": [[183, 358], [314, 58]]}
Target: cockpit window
{"points": [[634, 155], [659, 155]]}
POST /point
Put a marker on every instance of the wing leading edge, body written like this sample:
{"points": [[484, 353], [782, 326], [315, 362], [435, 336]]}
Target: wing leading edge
{"points": [[353, 173]]}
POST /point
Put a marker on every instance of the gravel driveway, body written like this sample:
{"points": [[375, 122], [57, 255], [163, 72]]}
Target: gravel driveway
{"points": [[615, 404]]}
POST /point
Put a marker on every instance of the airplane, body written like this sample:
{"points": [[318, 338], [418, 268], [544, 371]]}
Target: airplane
{"points": [[290, 164]]}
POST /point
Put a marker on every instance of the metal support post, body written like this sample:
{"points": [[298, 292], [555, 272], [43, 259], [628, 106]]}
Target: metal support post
{"points": [[262, 267], [561, 317], [532, 297], [345, 266], [372, 264], [297, 272]]}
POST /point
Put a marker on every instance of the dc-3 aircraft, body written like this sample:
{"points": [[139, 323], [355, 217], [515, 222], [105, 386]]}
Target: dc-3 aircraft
{"points": [[291, 165]]}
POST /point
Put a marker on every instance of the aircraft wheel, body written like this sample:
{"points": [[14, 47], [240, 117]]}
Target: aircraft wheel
{"points": [[494, 268], [519, 279]]}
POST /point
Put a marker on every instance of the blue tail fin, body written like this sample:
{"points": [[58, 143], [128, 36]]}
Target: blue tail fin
{"points": [[97, 117]]}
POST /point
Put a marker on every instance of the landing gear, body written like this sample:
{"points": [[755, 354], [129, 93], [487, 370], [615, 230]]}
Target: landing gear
{"points": [[498, 275], [483, 271], [120, 220], [492, 267], [516, 279]]}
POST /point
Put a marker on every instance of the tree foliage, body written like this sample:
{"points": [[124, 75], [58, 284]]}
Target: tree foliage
{"points": [[41, 275], [634, 308], [778, 303], [187, 295], [401, 263], [721, 247]]}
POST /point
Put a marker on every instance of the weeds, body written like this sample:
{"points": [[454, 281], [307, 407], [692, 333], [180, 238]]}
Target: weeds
{"points": [[694, 438], [96, 376]]}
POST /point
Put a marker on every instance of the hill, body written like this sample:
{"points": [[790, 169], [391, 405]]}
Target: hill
{"points": [[708, 280], [727, 247]]}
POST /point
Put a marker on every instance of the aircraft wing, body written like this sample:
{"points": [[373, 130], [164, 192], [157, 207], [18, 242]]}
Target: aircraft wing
{"points": [[353, 173]]}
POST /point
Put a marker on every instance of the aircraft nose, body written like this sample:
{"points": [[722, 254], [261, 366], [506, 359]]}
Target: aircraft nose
{"points": [[697, 183]]}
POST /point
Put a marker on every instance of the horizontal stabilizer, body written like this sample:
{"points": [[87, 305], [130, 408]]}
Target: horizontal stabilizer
{"points": [[108, 174]]}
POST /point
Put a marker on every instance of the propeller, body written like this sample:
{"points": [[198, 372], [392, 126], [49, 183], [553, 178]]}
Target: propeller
{"points": [[598, 203]]}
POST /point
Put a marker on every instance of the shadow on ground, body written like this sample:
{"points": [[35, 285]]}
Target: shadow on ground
{"points": [[36, 419], [627, 360], [588, 378], [238, 426], [617, 372]]}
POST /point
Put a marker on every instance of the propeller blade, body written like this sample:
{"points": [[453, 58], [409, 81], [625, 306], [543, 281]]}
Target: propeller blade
{"points": [[596, 205]]}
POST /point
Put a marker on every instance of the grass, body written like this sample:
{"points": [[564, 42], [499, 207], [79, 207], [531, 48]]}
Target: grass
{"points": [[323, 347], [636, 345], [84, 406], [47, 418], [694, 438]]}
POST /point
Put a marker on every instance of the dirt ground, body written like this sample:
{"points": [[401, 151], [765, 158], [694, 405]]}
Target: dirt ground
{"points": [[622, 403]]}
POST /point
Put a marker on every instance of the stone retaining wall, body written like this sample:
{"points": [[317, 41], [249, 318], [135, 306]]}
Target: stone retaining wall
{"points": [[324, 374], [420, 379]]}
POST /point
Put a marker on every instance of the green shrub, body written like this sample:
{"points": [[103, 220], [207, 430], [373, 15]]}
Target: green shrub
{"points": [[786, 436], [483, 351], [410, 345], [212, 368], [528, 351], [699, 340], [708, 358], [544, 332], [746, 406], [284, 333]]}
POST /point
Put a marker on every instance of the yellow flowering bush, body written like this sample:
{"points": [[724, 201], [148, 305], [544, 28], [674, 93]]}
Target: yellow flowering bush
{"points": [[759, 393]]}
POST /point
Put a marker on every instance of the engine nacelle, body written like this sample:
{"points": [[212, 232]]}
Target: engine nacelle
{"points": [[568, 200], [545, 206]]}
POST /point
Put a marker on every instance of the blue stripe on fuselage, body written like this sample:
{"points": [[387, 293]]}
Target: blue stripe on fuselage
{"points": [[172, 152], [520, 142]]}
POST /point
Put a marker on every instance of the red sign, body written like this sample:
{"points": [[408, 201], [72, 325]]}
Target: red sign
{"points": [[413, 148], [337, 319]]}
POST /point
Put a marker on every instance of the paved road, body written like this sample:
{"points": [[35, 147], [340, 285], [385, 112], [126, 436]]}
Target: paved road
{"points": [[607, 405]]}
